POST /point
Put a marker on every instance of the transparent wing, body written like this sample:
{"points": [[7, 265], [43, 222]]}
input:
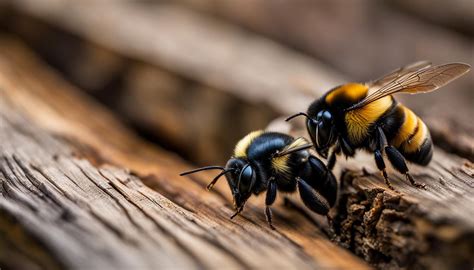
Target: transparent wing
{"points": [[387, 78], [297, 145], [423, 80]]}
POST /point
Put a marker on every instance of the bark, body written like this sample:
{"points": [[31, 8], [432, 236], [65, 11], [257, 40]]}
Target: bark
{"points": [[417, 229], [75, 193]]}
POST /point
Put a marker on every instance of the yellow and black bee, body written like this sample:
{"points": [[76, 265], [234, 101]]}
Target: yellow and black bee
{"points": [[271, 161], [366, 116]]}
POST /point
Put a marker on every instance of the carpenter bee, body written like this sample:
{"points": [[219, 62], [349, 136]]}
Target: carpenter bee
{"points": [[271, 162], [366, 116]]}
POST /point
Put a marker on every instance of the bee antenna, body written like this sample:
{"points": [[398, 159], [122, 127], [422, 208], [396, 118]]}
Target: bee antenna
{"points": [[296, 115], [203, 169], [214, 181]]}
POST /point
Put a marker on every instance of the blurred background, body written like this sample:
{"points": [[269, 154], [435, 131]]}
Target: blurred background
{"points": [[195, 76]]}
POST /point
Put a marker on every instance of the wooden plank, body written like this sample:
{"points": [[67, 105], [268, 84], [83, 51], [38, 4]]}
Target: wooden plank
{"points": [[66, 191]]}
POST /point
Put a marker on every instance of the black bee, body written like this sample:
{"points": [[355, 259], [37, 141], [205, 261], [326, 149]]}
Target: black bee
{"points": [[271, 161], [366, 116]]}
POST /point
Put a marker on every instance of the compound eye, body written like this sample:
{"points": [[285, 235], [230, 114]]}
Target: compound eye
{"points": [[246, 179], [319, 115], [311, 126], [323, 133], [327, 117]]}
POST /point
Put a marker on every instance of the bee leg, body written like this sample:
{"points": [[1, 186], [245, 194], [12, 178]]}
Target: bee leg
{"points": [[311, 198], [332, 157], [346, 148], [319, 177], [269, 200], [381, 166], [237, 212], [398, 162], [381, 144]]}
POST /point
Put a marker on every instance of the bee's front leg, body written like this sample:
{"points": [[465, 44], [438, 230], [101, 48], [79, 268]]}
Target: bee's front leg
{"points": [[332, 158], [269, 200]]}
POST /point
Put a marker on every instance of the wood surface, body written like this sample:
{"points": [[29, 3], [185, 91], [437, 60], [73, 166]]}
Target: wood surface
{"points": [[75, 193], [411, 227], [414, 229]]}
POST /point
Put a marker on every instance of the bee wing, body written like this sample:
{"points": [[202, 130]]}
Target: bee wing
{"points": [[297, 145], [423, 80], [387, 78]]}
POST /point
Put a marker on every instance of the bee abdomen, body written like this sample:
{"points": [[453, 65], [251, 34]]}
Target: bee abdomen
{"points": [[413, 138], [423, 155]]}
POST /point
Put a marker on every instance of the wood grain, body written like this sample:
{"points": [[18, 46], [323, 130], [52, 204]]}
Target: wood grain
{"points": [[411, 229], [72, 187]]}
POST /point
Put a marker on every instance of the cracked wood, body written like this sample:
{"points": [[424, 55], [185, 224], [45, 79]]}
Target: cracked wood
{"points": [[65, 191]]}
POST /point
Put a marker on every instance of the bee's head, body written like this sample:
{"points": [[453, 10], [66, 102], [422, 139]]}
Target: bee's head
{"points": [[241, 180], [321, 129], [240, 176]]}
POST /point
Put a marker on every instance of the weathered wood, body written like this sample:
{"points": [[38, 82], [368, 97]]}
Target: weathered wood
{"points": [[453, 136], [413, 228], [416, 229], [427, 225], [67, 200]]}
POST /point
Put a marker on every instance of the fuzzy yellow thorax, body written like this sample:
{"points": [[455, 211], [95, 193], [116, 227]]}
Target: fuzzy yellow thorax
{"points": [[359, 120], [280, 164]]}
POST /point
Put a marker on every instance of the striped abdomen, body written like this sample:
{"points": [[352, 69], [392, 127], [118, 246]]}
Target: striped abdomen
{"points": [[413, 137], [404, 130]]}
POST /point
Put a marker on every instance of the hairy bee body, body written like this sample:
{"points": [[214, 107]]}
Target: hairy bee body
{"points": [[403, 128], [366, 116], [259, 148], [270, 162]]}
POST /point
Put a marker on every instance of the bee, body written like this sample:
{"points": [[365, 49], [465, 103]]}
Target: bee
{"points": [[366, 116], [270, 162]]}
